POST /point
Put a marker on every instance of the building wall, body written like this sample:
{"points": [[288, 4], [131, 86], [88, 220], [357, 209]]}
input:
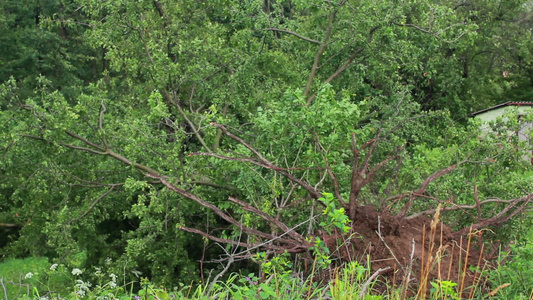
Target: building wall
{"points": [[525, 131], [493, 114]]}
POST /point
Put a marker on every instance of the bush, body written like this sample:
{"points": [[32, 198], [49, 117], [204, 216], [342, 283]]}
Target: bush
{"points": [[514, 279]]}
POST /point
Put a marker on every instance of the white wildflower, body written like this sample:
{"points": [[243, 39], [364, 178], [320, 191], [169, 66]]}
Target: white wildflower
{"points": [[113, 277], [108, 261], [112, 284], [54, 267], [76, 271], [28, 276], [82, 287]]}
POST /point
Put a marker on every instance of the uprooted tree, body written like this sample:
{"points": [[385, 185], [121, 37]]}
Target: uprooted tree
{"points": [[237, 124], [388, 167]]}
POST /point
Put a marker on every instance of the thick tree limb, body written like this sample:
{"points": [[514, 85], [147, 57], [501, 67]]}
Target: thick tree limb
{"points": [[423, 187], [515, 207], [84, 140], [458, 207], [362, 174]]}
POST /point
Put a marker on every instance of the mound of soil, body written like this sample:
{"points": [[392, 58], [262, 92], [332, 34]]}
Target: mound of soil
{"points": [[417, 251]]}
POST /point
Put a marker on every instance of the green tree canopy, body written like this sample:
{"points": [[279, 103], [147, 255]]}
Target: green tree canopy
{"points": [[357, 98]]}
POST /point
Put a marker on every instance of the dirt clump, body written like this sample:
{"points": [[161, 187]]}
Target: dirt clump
{"points": [[414, 251]]}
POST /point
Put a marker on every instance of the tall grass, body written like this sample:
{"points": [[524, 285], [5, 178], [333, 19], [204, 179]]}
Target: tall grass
{"points": [[443, 287]]}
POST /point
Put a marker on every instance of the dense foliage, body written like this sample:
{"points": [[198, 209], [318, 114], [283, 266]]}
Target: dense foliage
{"points": [[94, 95]]}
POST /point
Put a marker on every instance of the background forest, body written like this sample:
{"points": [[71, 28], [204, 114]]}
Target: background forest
{"points": [[179, 140]]}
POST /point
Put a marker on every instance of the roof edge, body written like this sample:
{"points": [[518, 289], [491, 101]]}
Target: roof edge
{"points": [[511, 103]]}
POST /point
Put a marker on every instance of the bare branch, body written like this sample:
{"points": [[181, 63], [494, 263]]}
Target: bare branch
{"points": [[319, 53], [435, 34], [270, 219], [212, 207], [423, 187], [86, 141], [332, 176], [346, 63], [91, 206], [301, 247], [242, 142], [64, 145], [295, 34], [226, 268], [519, 205], [370, 280], [101, 123], [269, 165], [216, 239], [352, 56], [462, 207], [195, 131], [10, 225], [240, 159]]}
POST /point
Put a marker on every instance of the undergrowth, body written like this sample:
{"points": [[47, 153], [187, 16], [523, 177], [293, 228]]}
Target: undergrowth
{"points": [[37, 278]]}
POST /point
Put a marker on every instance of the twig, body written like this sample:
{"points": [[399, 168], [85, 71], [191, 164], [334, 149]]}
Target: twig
{"points": [[365, 286], [295, 34], [3, 287], [278, 237], [91, 206], [409, 269], [385, 243], [212, 284], [268, 218]]}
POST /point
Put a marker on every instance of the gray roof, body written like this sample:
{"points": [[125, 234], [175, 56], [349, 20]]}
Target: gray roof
{"points": [[523, 103]]}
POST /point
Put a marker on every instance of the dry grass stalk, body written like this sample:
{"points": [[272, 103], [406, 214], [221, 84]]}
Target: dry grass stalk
{"points": [[427, 260], [496, 290]]}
